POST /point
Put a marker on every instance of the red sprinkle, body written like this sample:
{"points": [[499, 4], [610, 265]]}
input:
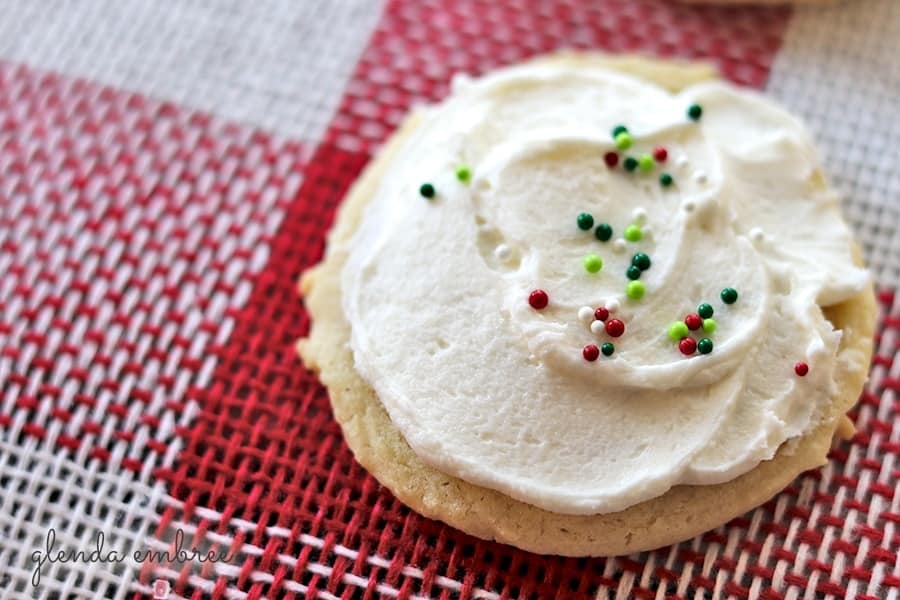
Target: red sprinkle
{"points": [[693, 321], [801, 369], [615, 327], [660, 154], [687, 346], [590, 352], [601, 314], [611, 159], [538, 299]]}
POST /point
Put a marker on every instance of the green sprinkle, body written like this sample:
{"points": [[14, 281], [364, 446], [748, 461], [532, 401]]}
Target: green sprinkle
{"points": [[665, 180], [695, 111], [603, 232], [607, 349], [633, 233], [633, 272], [630, 163], [618, 129], [463, 173], [593, 263], [427, 190], [646, 162], [729, 295], [678, 330], [585, 221], [709, 325], [623, 140], [704, 346], [705, 310], [635, 290], [641, 261]]}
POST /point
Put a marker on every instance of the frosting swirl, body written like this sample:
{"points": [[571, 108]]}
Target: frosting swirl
{"points": [[485, 387]]}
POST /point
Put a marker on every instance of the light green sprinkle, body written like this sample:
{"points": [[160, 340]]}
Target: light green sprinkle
{"points": [[646, 162], [623, 141], [709, 325], [463, 173], [678, 330], [633, 233], [593, 263], [635, 290]]}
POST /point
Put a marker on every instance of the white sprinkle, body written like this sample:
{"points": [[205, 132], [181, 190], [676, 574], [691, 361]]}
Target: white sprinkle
{"points": [[647, 231], [700, 177], [586, 314], [682, 161], [689, 206], [598, 327], [503, 252], [619, 246], [612, 305], [639, 215], [757, 235]]}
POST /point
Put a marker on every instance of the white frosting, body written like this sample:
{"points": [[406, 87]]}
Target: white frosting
{"points": [[490, 390]]}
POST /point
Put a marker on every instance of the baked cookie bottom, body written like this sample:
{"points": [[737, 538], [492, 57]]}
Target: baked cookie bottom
{"points": [[681, 513]]}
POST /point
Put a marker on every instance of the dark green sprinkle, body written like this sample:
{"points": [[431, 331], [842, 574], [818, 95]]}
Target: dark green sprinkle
{"points": [[633, 272], [619, 129], [729, 295], [603, 232], [607, 349], [695, 111], [704, 346], [705, 310], [641, 261], [585, 221], [665, 180], [630, 163], [427, 190]]}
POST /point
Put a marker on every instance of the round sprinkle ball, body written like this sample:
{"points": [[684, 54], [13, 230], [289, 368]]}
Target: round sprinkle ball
{"points": [[729, 295], [630, 163], [704, 346], [585, 221], [590, 352], [585, 314], [666, 180], [597, 327], [463, 173], [687, 346], [677, 331], [641, 261], [592, 263], [639, 215], [633, 233], [623, 140], [646, 163], [619, 246], [607, 349], [615, 327], [801, 369], [660, 154], [603, 232], [427, 190], [611, 159], [694, 112], [709, 325], [538, 299], [693, 321], [601, 314], [503, 252], [705, 310], [635, 290], [633, 272], [619, 129]]}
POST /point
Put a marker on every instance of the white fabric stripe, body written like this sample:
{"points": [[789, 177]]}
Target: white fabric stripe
{"points": [[270, 63], [838, 69]]}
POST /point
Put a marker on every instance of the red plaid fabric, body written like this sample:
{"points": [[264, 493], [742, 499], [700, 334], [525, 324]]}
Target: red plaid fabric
{"points": [[148, 315]]}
